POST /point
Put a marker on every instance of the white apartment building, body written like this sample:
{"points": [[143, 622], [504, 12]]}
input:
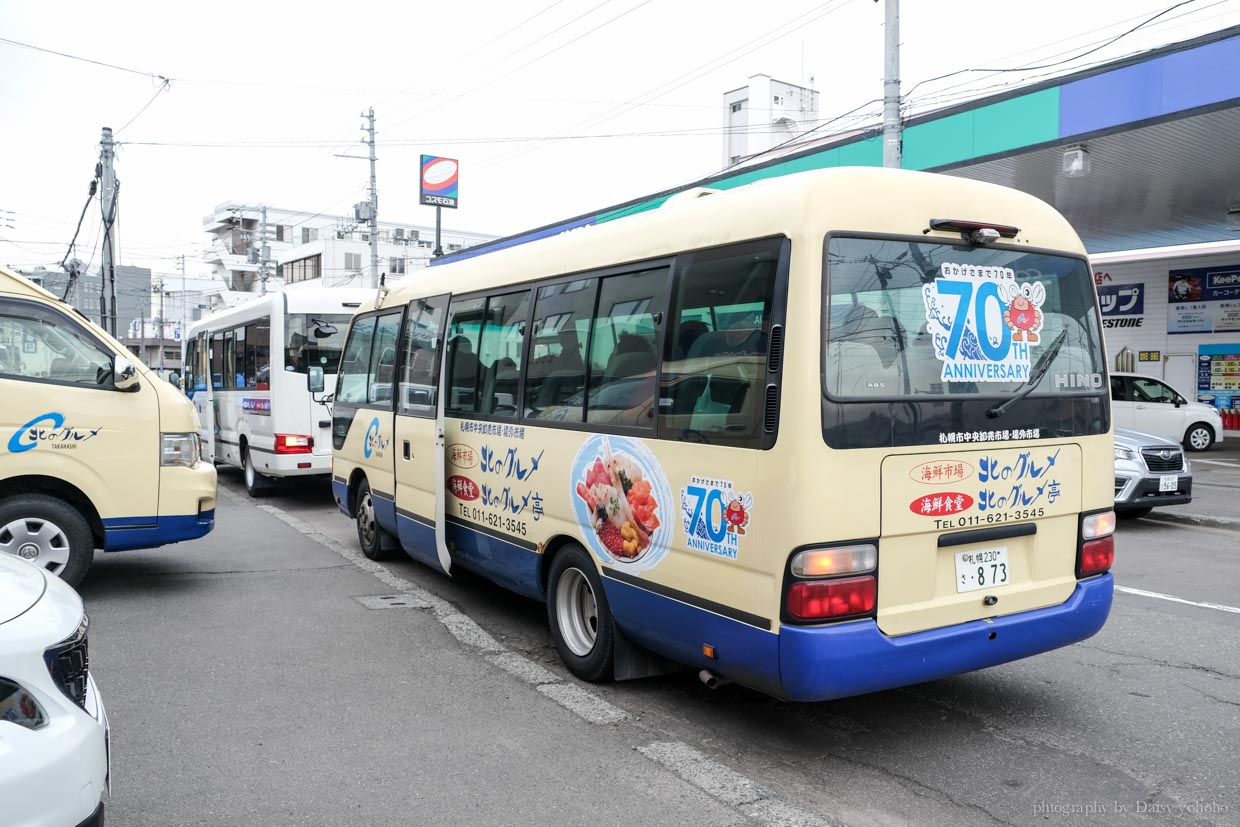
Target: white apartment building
{"points": [[764, 114], [332, 250]]}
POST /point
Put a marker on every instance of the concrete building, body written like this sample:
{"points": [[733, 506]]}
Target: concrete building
{"points": [[764, 114], [133, 291], [332, 250], [176, 302]]}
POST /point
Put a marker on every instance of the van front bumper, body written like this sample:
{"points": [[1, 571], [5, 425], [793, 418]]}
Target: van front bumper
{"points": [[818, 663], [187, 500]]}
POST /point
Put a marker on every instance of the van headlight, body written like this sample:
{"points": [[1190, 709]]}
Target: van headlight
{"points": [[179, 449], [18, 706], [1125, 453]]}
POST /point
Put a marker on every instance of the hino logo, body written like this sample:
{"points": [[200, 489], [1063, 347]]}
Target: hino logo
{"points": [[1078, 380]]}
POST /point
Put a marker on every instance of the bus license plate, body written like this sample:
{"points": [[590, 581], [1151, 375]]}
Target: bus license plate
{"points": [[982, 569], [1171, 483]]}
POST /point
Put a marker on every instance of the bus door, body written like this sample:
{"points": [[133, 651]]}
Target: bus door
{"points": [[418, 482], [204, 393]]}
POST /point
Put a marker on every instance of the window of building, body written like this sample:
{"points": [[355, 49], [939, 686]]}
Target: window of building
{"points": [[396, 266], [352, 262], [309, 234], [303, 269], [736, 107], [777, 100], [280, 230]]}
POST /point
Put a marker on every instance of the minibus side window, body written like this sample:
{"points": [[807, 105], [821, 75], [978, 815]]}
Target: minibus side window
{"points": [[712, 385], [419, 378], [190, 366], [624, 346], [355, 364], [37, 349], [500, 351], [258, 355], [382, 371], [217, 360], [464, 332], [230, 361], [555, 378]]}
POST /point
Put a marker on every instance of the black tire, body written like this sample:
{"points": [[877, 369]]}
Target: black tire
{"points": [[370, 535], [256, 485], [1134, 513], [584, 634], [51, 530], [1199, 437]]}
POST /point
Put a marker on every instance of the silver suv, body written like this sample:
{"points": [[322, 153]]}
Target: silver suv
{"points": [[1150, 471]]}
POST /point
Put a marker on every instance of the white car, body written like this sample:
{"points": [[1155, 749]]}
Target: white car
{"points": [[1143, 403], [54, 761]]}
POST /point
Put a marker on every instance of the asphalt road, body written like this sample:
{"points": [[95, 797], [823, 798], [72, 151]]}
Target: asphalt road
{"points": [[248, 684]]}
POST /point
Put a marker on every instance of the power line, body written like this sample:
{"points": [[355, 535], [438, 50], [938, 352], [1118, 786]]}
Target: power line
{"points": [[1140, 25], [167, 84], [84, 59]]}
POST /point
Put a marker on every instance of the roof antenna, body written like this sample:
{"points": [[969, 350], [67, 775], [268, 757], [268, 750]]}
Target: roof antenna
{"points": [[383, 290]]}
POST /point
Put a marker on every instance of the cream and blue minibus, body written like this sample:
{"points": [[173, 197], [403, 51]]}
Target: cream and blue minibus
{"points": [[256, 373], [96, 452], [819, 435]]}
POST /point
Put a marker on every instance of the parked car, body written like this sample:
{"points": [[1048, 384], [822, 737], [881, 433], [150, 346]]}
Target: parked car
{"points": [[1150, 472], [1143, 403], [54, 761]]}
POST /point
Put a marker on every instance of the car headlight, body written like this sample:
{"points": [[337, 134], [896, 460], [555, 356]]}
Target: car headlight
{"points": [[178, 449], [1125, 453], [18, 706]]}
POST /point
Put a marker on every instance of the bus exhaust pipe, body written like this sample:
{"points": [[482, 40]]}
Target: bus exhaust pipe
{"points": [[712, 680]]}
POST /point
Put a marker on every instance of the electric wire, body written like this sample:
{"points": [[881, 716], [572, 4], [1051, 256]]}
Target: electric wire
{"points": [[85, 59], [94, 187], [163, 87]]}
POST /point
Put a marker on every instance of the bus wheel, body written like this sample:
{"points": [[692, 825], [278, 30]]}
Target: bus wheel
{"points": [[580, 619], [48, 532], [369, 532], [256, 485]]}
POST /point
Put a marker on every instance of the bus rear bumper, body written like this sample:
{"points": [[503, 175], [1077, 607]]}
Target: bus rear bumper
{"points": [[824, 662]]}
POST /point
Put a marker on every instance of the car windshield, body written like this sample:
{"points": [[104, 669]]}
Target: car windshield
{"points": [[931, 319]]}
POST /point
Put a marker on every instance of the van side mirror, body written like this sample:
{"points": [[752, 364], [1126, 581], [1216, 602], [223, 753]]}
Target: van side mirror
{"points": [[124, 374], [1179, 400], [314, 379]]}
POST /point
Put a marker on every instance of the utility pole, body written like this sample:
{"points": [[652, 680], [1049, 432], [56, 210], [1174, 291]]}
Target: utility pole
{"points": [[369, 210], [891, 86], [162, 326], [110, 191], [374, 203], [182, 320], [264, 251]]}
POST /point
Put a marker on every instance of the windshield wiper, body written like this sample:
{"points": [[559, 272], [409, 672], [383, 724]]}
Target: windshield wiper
{"points": [[1035, 376]]}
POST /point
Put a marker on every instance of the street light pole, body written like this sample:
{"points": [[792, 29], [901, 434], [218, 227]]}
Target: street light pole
{"points": [[891, 86]]}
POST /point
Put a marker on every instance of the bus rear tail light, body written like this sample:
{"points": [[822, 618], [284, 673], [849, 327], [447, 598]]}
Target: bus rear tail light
{"points": [[1097, 545], [833, 582], [832, 599], [294, 444]]}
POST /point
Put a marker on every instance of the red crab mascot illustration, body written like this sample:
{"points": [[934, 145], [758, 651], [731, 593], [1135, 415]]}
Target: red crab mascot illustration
{"points": [[1023, 314], [737, 513]]}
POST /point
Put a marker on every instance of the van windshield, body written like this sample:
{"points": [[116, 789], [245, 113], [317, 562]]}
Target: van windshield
{"points": [[924, 320]]}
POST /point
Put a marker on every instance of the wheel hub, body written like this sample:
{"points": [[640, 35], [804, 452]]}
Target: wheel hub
{"points": [[28, 551]]}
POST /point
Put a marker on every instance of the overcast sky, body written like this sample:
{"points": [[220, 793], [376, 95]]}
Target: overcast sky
{"points": [[553, 108]]}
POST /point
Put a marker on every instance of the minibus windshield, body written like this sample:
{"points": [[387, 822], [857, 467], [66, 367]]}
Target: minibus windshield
{"points": [[925, 320]]}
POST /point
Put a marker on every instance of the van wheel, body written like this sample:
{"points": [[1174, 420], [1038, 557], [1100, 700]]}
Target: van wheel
{"points": [[48, 532], [1199, 437], [256, 485], [580, 618], [370, 534]]}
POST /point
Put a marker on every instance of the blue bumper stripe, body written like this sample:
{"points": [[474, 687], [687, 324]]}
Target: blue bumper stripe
{"points": [[823, 662], [508, 564], [125, 533]]}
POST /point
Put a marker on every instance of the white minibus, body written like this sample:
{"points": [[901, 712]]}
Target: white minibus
{"points": [[255, 373]]}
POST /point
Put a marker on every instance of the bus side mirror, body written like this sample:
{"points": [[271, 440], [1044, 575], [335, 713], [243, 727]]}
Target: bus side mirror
{"points": [[124, 374], [174, 379], [314, 379]]}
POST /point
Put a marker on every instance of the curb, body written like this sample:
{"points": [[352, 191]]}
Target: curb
{"points": [[1194, 519]]}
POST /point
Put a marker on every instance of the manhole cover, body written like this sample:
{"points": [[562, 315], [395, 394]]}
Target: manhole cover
{"points": [[393, 601]]}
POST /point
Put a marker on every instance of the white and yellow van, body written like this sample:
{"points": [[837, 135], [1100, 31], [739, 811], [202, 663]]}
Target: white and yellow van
{"points": [[95, 450]]}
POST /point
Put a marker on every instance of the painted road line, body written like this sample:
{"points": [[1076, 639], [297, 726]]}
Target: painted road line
{"points": [[727, 785], [1218, 607], [1224, 462], [585, 704]]}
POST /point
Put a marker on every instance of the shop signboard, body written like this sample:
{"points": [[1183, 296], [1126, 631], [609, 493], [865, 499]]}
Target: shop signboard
{"points": [[1204, 300], [1122, 305], [1218, 374]]}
